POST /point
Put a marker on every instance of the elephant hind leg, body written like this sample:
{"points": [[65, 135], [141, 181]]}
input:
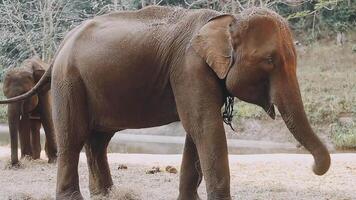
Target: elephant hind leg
{"points": [[25, 138], [35, 138], [71, 124], [99, 172]]}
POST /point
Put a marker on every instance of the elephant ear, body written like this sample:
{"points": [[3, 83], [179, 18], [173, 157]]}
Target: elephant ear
{"points": [[213, 43], [37, 69]]}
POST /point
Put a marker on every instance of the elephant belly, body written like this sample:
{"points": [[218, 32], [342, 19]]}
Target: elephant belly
{"points": [[131, 95], [35, 115], [134, 113], [132, 105]]}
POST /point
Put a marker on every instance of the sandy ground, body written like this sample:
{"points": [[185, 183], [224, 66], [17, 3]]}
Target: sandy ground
{"points": [[268, 176]]}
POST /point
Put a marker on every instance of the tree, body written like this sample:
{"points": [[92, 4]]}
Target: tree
{"points": [[36, 27]]}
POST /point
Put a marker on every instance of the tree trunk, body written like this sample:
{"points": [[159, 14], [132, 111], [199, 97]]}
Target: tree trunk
{"points": [[340, 38]]}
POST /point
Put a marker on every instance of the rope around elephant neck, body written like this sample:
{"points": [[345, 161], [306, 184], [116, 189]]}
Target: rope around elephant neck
{"points": [[228, 111]]}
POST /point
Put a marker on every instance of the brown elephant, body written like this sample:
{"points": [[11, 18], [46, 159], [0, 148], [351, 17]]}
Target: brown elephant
{"points": [[25, 117], [146, 68]]}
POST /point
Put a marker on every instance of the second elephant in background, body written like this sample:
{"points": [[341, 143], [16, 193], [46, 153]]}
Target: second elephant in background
{"points": [[26, 117]]}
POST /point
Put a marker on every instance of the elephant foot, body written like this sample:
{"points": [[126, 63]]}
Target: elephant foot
{"points": [[104, 194], [26, 157], [222, 197], [189, 197], [14, 165], [101, 192], [52, 160], [35, 157], [69, 196]]}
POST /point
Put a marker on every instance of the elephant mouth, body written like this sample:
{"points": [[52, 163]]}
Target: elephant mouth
{"points": [[267, 104]]}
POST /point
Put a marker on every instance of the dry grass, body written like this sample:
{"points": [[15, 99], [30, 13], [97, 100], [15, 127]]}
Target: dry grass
{"points": [[277, 176], [122, 193], [328, 83], [24, 196], [344, 135]]}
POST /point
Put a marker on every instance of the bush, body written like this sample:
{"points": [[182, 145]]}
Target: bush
{"points": [[344, 135], [353, 48]]}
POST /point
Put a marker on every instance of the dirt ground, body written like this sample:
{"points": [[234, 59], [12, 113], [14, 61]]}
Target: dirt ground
{"points": [[268, 176]]}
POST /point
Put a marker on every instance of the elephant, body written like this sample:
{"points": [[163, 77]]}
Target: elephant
{"points": [[25, 117], [157, 65]]}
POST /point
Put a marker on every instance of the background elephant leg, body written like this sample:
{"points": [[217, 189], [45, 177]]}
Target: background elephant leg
{"points": [[25, 137], [99, 172], [35, 138], [47, 123], [190, 173], [14, 121]]}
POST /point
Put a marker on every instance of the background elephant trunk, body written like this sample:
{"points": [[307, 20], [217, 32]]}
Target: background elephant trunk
{"points": [[14, 119], [289, 103]]}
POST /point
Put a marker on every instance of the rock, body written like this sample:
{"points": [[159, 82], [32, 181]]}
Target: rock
{"points": [[153, 170], [171, 169], [150, 171], [346, 121], [122, 166]]}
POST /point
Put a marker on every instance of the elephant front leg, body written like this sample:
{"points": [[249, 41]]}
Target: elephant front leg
{"points": [[14, 120], [212, 149], [35, 138], [99, 172], [199, 98], [204, 123], [190, 173], [25, 137]]}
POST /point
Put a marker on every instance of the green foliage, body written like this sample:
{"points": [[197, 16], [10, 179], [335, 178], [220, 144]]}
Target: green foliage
{"points": [[300, 14], [340, 17], [321, 16]]}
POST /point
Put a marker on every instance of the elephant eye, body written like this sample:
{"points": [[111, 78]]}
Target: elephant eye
{"points": [[269, 60]]}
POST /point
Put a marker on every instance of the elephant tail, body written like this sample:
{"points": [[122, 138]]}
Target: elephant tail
{"points": [[44, 81]]}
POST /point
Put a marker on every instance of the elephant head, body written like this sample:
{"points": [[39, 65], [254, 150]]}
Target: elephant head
{"points": [[255, 54], [22, 79], [16, 82]]}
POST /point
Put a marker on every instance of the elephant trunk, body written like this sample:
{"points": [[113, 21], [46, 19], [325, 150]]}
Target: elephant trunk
{"points": [[13, 120], [289, 103]]}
